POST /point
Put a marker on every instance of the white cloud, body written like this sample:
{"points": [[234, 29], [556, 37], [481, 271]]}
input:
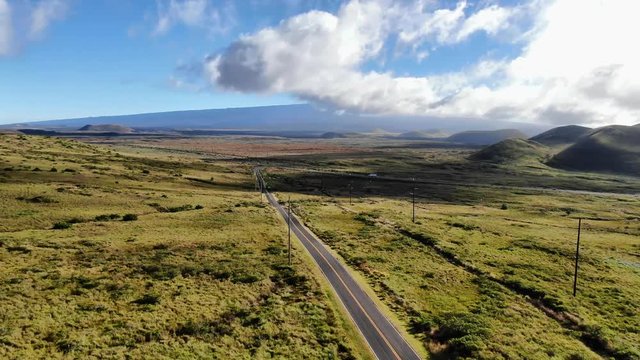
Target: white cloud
{"points": [[44, 13], [6, 28], [22, 22], [490, 20], [192, 13], [449, 26], [579, 63]]}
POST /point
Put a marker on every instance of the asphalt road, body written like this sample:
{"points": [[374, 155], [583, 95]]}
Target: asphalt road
{"points": [[383, 338]]}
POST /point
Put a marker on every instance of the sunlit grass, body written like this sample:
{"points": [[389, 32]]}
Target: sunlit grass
{"points": [[198, 270]]}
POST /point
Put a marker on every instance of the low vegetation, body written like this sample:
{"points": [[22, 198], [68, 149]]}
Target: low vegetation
{"points": [[79, 278]]}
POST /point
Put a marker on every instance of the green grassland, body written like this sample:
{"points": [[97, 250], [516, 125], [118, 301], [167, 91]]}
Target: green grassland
{"points": [[126, 253], [487, 269]]}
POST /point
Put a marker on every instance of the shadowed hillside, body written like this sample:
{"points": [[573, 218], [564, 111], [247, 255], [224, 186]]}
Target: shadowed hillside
{"points": [[563, 135], [610, 149], [511, 150], [485, 137], [106, 128]]}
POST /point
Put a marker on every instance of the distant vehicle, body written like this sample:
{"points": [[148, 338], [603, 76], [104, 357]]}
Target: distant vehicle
{"points": [[373, 175]]}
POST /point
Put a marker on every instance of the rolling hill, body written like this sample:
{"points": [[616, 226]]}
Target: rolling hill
{"points": [[614, 149], [485, 137], [511, 150], [563, 135]]}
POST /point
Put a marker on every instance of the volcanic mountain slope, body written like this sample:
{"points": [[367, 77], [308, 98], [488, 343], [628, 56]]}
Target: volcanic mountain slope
{"points": [[614, 149], [564, 135], [511, 150]]}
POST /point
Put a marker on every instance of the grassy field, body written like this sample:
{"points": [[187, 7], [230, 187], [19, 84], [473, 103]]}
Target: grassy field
{"points": [[134, 253], [487, 269], [161, 248]]}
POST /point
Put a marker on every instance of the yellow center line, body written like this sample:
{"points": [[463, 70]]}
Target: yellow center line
{"points": [[350, 293]]}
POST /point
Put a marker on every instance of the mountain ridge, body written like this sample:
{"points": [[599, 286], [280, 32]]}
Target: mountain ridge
{"points": [[296, 117]]}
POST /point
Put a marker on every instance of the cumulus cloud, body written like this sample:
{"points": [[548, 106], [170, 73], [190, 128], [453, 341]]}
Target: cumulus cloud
{"points": [[22, 22], [578, 64], [192, 13]]}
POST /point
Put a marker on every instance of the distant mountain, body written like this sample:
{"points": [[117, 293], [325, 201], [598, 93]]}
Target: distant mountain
{"points": [[112, 128], [511, 150], [563, 135], [333, 135], [424, 134], [485, 137], [614, 149], [287, 118]]}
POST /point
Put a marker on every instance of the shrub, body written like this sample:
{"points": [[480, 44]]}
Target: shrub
{"points": [[61, 225], [39, 200], [504, 207], [453, 326], [130, 217], [180, 208], [147, 299], [20, 249], [199, 207], [245, 279], [107, 217], [422, 324], [53, 169]]}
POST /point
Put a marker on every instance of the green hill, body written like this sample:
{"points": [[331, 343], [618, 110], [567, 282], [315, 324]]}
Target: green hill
{"points": [[563, 135], [511, 150], [613, 149], [485, 137]]}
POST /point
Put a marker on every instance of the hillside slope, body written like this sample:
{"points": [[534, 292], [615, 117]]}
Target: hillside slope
{"points": [[562, 135], [485, 137], [613, 149], [511, 150]]}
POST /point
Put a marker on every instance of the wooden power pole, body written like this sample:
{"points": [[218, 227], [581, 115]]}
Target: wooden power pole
{"points": [[575, 274]]}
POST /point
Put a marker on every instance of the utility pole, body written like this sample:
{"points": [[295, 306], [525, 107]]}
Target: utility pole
{"points": [[575, 274], [289, 224], [350, 188]]}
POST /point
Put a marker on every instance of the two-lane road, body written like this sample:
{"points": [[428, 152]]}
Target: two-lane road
{"points": [[382, 337]]}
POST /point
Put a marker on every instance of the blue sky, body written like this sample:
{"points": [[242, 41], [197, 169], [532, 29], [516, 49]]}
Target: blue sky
{"points": [[459, 59]]}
